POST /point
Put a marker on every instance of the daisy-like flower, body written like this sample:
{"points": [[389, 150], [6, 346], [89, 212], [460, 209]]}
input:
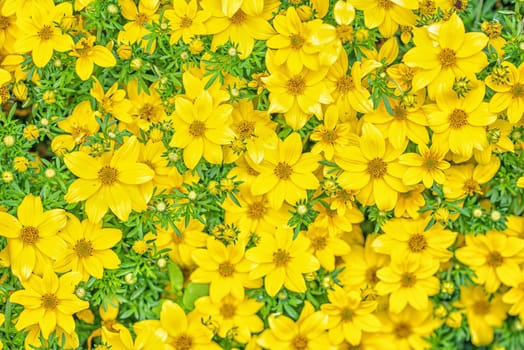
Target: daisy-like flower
{"points": [[405, 237], [467, 180], [201, 129], [225, 269], [494, 257], [286, 173], [408, 282], [146, 12], [349, 316], [508, 83], [427, 166], [88, 248], [282, 260], [373, 169], [147, 107], [483, 313], [186, 20], [32, 238], [325, 246], [88, 54], [49, 302], [410, 202], [109, 182], [453, 54], [113, 101], [39, 33], [307, 333]]}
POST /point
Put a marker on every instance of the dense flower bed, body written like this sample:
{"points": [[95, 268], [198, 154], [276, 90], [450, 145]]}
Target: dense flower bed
{"points": [[248, 174]]}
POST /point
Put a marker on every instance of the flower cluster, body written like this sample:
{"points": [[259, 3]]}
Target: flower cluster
{"points": [[261, 174]]}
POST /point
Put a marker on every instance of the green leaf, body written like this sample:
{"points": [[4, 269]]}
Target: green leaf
{"points": [[192, 293], [176, 277]]}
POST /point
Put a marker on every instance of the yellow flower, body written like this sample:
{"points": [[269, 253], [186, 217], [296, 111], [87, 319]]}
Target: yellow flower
{"points": [[508, 83], [410, 202], [336, 222], [224, 267], [515, 297], [405, 238], [483, 313], [325, 246], [202, 128], [232, 315], [111, 181], [466, 180], [373, 169], [113, 101], [426, 167], [299, 44], [135, 30], [286, 173], [88, 248], [453, 54], [387, 14], [39, 33], [282, 260], [186, 20], [520, 182], [89, 54], [408, 282], [240, 22], [297, 95], [20, 164], [498, 141], [147, 107], [349, 316], [166, 177], [494, 257], [49, 302], [307, 333], [32, 238]]}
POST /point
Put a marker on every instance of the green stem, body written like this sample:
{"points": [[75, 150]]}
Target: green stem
{"points": [[479, 11]]}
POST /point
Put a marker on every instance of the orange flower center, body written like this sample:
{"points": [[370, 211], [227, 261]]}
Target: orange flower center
{"points": [[297, 41], [377, 168], [197, 128], [345, 84], [4, 22], [84, 48], [386, 4], [329, 136], [408, 280], [447, 58], [141, 18], [296, 86], [281, 257], [283, 171], [226, 269], [417, 243], [457, 119], [256, 210], [400, 112], [183, 342], [371, 275], [83, 248], [427, 7], [107, 175], [518, 90], [245, 129], [402, 330], [49, 301], [494, 259], [147, 112], [185, 22], [79, 134], [471, 186], [299, 342], [46, 33], [481, 307], [228, 310], [29, 234], [239, 17], [319, 242]]}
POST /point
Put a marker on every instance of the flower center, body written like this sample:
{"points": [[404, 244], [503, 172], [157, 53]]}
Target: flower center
{"points": [[427, 7], [4, 22], [107, 175], [329, 136], [518, 90], [228, 310], [256, 210], [457, 119], [319, 242], [471, 186], [402, 330], [447, 58], [299, 342], [346, 315], [386, 4], [481, 307], [226, 269], [296, 86], [283, 171], [460, 5], [83, 48], [29, 234], [500, 75], [297, 41], [83, 248], [176, 238], [281, 257], [377, 168], [417, 243], [197, 128], [46, 32], [408, 280], [245, 129], [185, 22], [494, 259], [239, 17], [345, 84], [49, 301], [345, 33], [141, 18], [400, 113], [371, 275], [147, 112], [183, 342]]}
